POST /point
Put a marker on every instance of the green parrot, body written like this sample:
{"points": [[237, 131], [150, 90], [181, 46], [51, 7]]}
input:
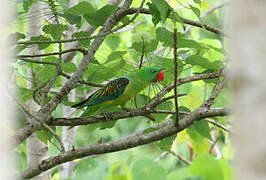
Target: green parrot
{"points": [[119, 91]]}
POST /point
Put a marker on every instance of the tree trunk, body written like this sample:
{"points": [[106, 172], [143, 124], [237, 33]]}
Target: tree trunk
{"points": [[36, 149], [67, 169], [6, 102], [248, 64]]}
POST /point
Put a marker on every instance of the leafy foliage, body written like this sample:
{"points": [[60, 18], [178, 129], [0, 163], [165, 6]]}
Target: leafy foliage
{"points": [[198, 51]]}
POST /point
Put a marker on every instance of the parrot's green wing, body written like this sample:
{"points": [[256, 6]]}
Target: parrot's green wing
{"points": [[110, 92]]}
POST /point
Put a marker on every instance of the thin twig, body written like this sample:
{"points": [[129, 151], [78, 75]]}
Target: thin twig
{"points": [[142, 53], [140, 64], [51, 54], [162, 155], [188, 28], [216, 90], [38, 62], [41, 122], [213, 145], [218, 125], [186, 21], [180, 158], [175, 76], [87, 38], [128, 11], [45, 111], [82, 81]]}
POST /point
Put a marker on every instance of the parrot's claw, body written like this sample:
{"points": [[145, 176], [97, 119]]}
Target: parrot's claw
{"points": [[131, 111], [107, 115]]}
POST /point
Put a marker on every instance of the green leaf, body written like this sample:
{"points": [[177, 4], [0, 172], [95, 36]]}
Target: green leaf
{"points": [[55, 30], [165, 36], [14, 37], [195, 10], [108, 124], [167, 105], [41, 38], [156, 18], [178, 174], [125, 20], [99, 18], [27, 4], [81, 9], [113, 41], [203, 128], [72, 19], [207, 167], [200, 144], [145, 169], [98, 169], [142, 100], [69, 67], [21, 47], [46, 73], [24, 94], [197, 1], [203, 62], [184, 109], [227, 170], [166, 143], [45, 136], [163, 7], [115, 55], [103, 72], [119, 171], [84, 43], [50, 59], [179, 19], [148, 46]]}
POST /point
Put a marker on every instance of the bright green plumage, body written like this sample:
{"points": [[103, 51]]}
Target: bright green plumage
{"points": [[120, 90]]}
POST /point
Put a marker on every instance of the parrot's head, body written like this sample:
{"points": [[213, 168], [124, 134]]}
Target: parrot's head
{"points": [[153, 73]]}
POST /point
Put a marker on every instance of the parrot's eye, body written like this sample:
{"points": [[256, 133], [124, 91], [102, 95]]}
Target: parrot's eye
{"points": [[153, 71]]}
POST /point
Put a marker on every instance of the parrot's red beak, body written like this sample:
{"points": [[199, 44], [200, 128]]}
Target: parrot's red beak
{"points": [[159, 77]]}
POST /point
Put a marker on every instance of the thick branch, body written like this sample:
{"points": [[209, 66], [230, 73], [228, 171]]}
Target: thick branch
{"points": [[137, 112], [108, 25], [46, 110], [123, 143]]}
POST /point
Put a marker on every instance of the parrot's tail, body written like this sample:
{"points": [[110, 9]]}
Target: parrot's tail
{"points": [[79, 105]]}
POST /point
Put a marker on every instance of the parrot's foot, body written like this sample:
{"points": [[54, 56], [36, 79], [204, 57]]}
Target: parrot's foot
{"points": [[107, 115], [131, 111]]}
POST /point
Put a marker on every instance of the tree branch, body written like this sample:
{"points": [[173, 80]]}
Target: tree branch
{"points": [[129, 11], [123, 143], [186, 21], [218, 125], [46, 110], [108, 25], [181, 158], [83, 51], [175, 76], [148, 109], [37, 61], [188, 28], [82, 81]]}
